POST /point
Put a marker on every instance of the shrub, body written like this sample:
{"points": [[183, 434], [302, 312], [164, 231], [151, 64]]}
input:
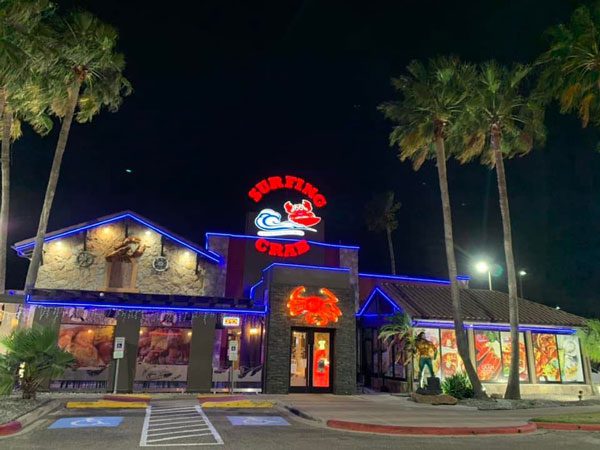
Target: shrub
{"points": [[32, 358], [458, 386]]}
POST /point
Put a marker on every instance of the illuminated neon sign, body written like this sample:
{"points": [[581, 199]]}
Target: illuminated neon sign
{"points": [[316, 310], [231, 321], [301, 218]]}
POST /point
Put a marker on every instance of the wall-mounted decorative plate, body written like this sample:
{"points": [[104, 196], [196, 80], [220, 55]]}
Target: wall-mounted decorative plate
{"points": [[85, 259], [160, 264]]}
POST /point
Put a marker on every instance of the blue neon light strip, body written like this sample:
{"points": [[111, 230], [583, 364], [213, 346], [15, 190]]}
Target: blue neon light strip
{"points": [[492, 327], [418, 279], [244, 236], [208, 254], [253, 287], [370, 299], [304, 266], [140, 308]]}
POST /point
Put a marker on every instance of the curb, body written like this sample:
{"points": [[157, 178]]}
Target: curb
{"points": [[8, 428], [14, 426], [435, 431], [128, 398], [568, 426], [300, 413]]}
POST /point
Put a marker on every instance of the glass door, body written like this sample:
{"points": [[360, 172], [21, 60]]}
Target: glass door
{"points": [[311, 360]]}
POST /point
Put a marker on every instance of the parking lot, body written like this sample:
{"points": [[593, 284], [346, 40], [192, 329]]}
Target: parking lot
{"points": [[181, 423]]}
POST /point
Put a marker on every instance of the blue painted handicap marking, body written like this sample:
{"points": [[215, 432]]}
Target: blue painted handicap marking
{"points": [[87, 422], [258, 420]]}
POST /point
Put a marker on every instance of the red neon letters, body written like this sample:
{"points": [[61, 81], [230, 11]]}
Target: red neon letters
{"points": [[269, 184], [300, 216], [282, 250]]}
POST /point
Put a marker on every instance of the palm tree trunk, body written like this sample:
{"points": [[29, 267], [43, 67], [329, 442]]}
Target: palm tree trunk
{"points": [[513, 389], [2, 101], [36, 258], [4, 203], [461, 338], [391, 249]]}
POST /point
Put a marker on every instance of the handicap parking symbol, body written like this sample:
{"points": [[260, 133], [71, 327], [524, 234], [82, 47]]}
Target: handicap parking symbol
{"points": [[87, 422], [257, 420]]}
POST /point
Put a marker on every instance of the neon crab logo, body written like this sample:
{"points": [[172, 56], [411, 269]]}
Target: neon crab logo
{"points": [[300, 219]]}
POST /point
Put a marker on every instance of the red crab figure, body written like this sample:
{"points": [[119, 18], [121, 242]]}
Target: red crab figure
{"points": [[301, 213], [317, 310]]}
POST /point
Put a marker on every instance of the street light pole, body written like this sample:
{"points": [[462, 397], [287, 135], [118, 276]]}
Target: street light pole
{"points": [[483, 267], [522, 273]]}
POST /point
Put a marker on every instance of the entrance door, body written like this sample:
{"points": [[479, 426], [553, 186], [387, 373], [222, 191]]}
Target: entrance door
{"points": [[311, 365]]}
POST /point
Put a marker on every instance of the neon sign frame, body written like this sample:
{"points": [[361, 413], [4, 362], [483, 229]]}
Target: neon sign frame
{"points": [[300, 216]]}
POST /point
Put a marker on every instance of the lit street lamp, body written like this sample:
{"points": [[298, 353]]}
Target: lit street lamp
{"points": [[483, 267], [522, 273]]}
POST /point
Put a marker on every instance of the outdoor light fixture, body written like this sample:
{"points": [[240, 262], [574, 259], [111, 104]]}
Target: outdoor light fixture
{"points": [[483, 267], [253, 331], [522, 273]]}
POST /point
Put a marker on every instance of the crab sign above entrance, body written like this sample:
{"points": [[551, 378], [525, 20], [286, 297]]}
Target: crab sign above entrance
{"points": [[301, 217], [316, 310]]}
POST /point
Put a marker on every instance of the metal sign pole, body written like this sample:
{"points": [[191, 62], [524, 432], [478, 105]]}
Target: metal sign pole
{"points": [[116, 377]]}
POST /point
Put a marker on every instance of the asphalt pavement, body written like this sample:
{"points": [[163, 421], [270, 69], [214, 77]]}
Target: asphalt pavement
{"points": [[176, 424]]}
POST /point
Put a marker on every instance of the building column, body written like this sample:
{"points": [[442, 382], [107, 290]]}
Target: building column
{"points": [[530, 357], [129, 328], [199, 376]]}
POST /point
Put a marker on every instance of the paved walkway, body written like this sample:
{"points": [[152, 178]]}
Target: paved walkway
{"points": [[386, 409]]}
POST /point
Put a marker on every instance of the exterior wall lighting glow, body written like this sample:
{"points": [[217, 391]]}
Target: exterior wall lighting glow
{"points": [[253, 331]]}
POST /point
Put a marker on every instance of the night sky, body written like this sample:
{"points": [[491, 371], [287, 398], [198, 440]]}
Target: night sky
{"points": [[228, 92]]}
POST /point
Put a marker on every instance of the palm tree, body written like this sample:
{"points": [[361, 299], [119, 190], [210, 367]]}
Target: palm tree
{"points": [[35, 351], [400, 331], [589, 337], [433, 98], [381, 214], [501, 123], [87, 76], [20, 60], [570, 68]]}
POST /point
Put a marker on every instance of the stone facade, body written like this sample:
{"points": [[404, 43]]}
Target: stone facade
{"points": [[188, 273], [280, 325]]}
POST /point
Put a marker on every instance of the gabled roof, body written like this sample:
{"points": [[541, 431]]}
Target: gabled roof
{"points": [[26, 246], [434, 303]]}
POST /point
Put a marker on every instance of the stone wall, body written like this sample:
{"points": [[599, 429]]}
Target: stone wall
{"points": [[277, 379], [188, 273]]}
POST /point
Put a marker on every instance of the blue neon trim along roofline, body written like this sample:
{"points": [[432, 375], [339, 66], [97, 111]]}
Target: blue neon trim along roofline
{"points": [[246, 236], [370, 299], [141, 308], [407, 278], [206, 253], [305, 266], [253, 287], [492, 327]]}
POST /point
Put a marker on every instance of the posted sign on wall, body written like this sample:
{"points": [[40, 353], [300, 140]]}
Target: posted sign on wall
{"points": [[231, 321], [119, 350]]}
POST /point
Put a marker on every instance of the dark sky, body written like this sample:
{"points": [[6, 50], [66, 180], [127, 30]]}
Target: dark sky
{"points": [[227, 92]]}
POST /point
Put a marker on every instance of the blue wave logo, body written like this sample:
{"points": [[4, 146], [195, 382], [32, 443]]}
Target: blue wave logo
{"points": [[269, 223]]}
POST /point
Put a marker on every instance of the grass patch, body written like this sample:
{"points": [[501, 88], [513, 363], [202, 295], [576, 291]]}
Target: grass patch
{"points": [[580, 418]]}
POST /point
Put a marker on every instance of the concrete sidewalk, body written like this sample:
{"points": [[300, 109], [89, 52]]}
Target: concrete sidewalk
{"points": [[385, 409]]}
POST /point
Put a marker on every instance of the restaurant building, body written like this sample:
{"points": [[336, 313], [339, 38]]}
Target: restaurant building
{"points": [[267, 311]]}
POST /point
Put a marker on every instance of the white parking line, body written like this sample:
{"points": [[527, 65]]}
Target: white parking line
{"points": [[181, 426]]}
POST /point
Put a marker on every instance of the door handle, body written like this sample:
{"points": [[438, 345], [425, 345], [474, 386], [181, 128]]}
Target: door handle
{"points": [[309, 365]]}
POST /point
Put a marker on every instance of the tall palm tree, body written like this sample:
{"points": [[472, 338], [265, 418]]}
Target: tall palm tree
{"points": [[433, 98], [570, 68], [400, 331], [501, 123], [87, 76], [381, 215], [21, 59]]}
